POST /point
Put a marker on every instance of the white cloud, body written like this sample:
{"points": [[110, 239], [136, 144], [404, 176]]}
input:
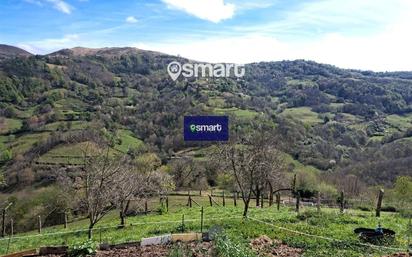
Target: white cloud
{"points": [[386, 46], [36, 2], [239, 49], [131, 19], [211, 10], [59, 5], [51, 44], [388, 50]]}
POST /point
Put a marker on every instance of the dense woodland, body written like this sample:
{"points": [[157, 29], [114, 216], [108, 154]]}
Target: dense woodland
{"points": [[349, 129]]}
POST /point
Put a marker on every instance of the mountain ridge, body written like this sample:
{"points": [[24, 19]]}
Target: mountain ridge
{"points": [[7, 51], [84, 51], [326, 115]]}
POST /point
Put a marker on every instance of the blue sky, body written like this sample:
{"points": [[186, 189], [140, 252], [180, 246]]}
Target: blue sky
{"points": [[362, 34]]}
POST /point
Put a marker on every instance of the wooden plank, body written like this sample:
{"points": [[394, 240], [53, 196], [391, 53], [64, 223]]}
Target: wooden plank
{"points": [[59, 250], [186, 237], [32, 252]]}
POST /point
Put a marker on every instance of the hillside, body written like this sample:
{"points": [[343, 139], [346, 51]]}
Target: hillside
{"points": [[7, 51], [333, 121], [330, 233]]}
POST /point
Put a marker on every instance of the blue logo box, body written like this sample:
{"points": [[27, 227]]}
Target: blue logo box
{"points": [[206, 128]]}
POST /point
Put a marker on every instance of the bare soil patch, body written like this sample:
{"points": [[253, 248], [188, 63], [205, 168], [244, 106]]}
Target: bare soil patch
{"points": [[264, 246], [192, 249]]}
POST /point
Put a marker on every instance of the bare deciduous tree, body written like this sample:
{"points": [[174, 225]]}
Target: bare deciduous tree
{"points": [[94, 184], [254, 162], [132, 183], [188, 173], [107, 182]]}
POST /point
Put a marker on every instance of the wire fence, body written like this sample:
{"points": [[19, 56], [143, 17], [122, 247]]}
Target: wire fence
{"points": [[134, 231], [103, 233], [112, 234]]}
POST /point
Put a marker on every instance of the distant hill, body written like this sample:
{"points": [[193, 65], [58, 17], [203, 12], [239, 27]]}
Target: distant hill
{"points": [[331, 120], [7, 51]]}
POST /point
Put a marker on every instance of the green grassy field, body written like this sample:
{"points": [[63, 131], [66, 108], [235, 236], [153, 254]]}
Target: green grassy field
{"points": [[10, 125], [242, 114], [67, 154], [216, 101], [75, 125], [128, 141], [73, 153], [304, 114], [327, 224], [399, 122], [298, 166], [25, 142], [305, 83]]}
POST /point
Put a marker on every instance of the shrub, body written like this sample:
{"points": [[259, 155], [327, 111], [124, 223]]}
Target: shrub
{"points": [[83, 249], [363, 208], [227, 247], [389, 209], [162, 209]]}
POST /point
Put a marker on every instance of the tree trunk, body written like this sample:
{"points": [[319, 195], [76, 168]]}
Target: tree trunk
{"points": [[127, 206], [257, 197], [122, 219], [234, 199], [245, 209], [90, 231]]}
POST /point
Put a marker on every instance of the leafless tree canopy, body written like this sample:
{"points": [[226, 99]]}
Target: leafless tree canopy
{"points": [[107, 182], [255, 164]]}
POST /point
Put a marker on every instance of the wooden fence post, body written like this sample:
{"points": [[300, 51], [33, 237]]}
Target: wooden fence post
{"points": [[234, 199], [270, 198], [210, 200], [167, 203], [65, 220], [318, 202], [145, 207], [257, 198], [278, 201], [3, 230], [342, 202], [297, 202], [379, 204], [224, 202], [190, 201], [39, 224], [11, 227], [261, 200], [201, 220], [183, 223]]}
